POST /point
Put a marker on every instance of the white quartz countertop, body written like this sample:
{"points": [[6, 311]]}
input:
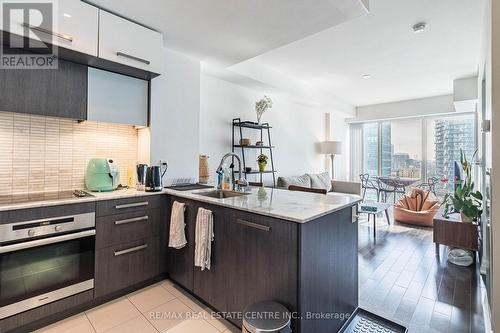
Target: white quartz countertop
{"points": [[297, 207], [54, 201], [293, 206]]}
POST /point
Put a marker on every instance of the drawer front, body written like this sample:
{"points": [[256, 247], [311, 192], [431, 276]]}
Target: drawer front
{"points": [[29, 214], [128, 205], [125, 228], [121, 266]]}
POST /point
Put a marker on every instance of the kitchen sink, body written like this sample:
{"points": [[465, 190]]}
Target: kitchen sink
{"points": [[220, 194]]}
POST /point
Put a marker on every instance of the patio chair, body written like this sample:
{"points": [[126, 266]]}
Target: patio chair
{"points": [[389, 186], [369, 184], [430, 185]]}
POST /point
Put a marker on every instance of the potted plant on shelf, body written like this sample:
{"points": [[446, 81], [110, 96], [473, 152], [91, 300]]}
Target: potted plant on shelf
{"points": [[262, 161], [261, 107], [466, 200]]}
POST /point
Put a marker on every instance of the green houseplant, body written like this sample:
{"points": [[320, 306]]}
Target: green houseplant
{"points": [[262, 161], [466, 199]]}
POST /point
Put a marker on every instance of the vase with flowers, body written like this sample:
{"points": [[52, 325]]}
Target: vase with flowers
{"points": [[262, 106], [262, 162]]}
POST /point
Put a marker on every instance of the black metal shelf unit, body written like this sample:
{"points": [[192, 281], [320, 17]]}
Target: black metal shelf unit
{"points": [[238, 126]]}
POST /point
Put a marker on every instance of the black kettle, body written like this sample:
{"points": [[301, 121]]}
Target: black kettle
{"points": [[154, 176]]}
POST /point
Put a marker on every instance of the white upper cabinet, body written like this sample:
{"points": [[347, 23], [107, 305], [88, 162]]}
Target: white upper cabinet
{"points": [[74, 27], [129, 43]]}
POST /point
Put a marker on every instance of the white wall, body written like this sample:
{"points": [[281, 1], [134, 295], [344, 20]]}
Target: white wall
{"points": [[175, 115], [494, 64], [296, 128], [404, 109]]}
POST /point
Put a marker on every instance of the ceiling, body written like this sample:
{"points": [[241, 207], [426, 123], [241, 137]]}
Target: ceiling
{"points": [[403, 65], [226, 32], [323, 46]]}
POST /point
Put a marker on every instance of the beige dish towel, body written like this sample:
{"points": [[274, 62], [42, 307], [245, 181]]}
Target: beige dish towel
{"points": [[203, 238], [177, 237]]}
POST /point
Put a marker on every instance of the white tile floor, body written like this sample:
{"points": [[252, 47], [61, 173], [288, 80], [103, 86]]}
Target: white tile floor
{"points": [[162, 307]]}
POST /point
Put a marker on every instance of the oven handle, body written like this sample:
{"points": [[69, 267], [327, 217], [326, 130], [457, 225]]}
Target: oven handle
{"points": [[46, 241]]}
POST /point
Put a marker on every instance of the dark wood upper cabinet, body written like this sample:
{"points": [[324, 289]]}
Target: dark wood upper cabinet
{"points": [[58, 92]]}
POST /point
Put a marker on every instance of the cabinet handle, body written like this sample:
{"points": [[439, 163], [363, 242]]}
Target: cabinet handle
{"points": [[135, 219], [132, 249], [355, 214], [144, 61], [49, 32], [135, 204], [253, 225]]}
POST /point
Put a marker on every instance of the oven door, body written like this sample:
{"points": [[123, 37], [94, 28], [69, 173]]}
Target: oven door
{"points": [[37, 272]]}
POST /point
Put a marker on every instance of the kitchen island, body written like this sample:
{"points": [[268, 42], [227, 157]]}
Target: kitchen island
{"points": [[299, 249], [295, 248]]}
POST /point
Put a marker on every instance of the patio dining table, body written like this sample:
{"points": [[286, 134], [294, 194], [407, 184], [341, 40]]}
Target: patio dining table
{"points": [[404, 181]]}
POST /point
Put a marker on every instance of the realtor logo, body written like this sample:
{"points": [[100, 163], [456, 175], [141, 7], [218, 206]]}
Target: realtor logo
{"points": [[27, 37]]}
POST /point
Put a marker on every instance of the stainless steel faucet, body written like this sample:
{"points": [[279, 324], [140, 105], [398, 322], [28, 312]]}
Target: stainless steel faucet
{"points": [[242, 182]]}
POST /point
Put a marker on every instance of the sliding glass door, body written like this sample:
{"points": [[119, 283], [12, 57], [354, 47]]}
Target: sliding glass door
{"points": [[393, 148], [418, 149], [402, 148], [446, 137], [370, 149]]}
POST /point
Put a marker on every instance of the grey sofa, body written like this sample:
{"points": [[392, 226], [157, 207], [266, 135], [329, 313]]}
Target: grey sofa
{"points": [[320, 181]]}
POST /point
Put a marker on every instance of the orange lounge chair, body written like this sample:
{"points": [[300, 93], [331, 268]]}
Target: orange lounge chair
{"points": [[417, 208]]}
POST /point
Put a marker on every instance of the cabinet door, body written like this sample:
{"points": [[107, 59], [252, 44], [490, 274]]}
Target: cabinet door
{"points": [[58, 92], [128, 43], [122, 266], [180, 262], [263, 263], [210, 285], [74, 27], [116, 98]]}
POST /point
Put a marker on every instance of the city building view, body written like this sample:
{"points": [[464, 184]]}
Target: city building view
{"points": [[395, 148]]}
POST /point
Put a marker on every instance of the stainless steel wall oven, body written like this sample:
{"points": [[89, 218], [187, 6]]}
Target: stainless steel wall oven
{"points": [[45, 260]]}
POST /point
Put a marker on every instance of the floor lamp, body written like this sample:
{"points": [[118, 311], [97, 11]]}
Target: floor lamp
{"points": [[331, 148]]}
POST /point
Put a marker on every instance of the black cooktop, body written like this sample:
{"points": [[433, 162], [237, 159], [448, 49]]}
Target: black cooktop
{"points": [[42, 196]]}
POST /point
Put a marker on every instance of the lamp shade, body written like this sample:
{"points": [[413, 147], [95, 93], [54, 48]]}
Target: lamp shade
{"points": [[330, 147]]}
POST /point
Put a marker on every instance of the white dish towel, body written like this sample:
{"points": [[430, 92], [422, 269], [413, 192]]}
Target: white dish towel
{"points": [[177, 236], [204, 236]]}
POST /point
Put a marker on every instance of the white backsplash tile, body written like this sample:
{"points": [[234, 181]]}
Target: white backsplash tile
{"points": [[41, 154]]}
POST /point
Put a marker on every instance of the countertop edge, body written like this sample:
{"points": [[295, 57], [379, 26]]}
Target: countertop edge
{"points": [[102, 196]]}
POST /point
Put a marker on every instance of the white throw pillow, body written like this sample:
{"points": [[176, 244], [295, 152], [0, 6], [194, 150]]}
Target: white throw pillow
{"points": [[304, 181], [322, 181]]}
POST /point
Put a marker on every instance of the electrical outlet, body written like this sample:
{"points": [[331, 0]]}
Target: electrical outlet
{"points": [[163, 162]]}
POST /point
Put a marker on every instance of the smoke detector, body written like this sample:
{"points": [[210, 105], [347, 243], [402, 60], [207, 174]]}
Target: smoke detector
{"points": [[419, 27]]}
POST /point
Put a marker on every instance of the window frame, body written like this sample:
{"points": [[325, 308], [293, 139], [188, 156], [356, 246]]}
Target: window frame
{"points": [[424, 120]]}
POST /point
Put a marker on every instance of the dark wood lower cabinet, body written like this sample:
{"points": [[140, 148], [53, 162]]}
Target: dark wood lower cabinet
{"points": [[33, 319], [328, 274], [120, 266], [263, 261], [180, 262], [310, 268], [209, 283]]}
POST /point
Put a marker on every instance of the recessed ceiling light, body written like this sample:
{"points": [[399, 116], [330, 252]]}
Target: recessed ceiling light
{"points": [[419, 27], [67, 15], [366, 76]]}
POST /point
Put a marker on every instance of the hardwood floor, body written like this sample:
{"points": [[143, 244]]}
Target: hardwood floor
{"points": [[402, 279]]}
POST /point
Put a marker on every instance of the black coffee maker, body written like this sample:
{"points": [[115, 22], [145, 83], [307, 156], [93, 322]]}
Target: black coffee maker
{"points": [[154, 178]]}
